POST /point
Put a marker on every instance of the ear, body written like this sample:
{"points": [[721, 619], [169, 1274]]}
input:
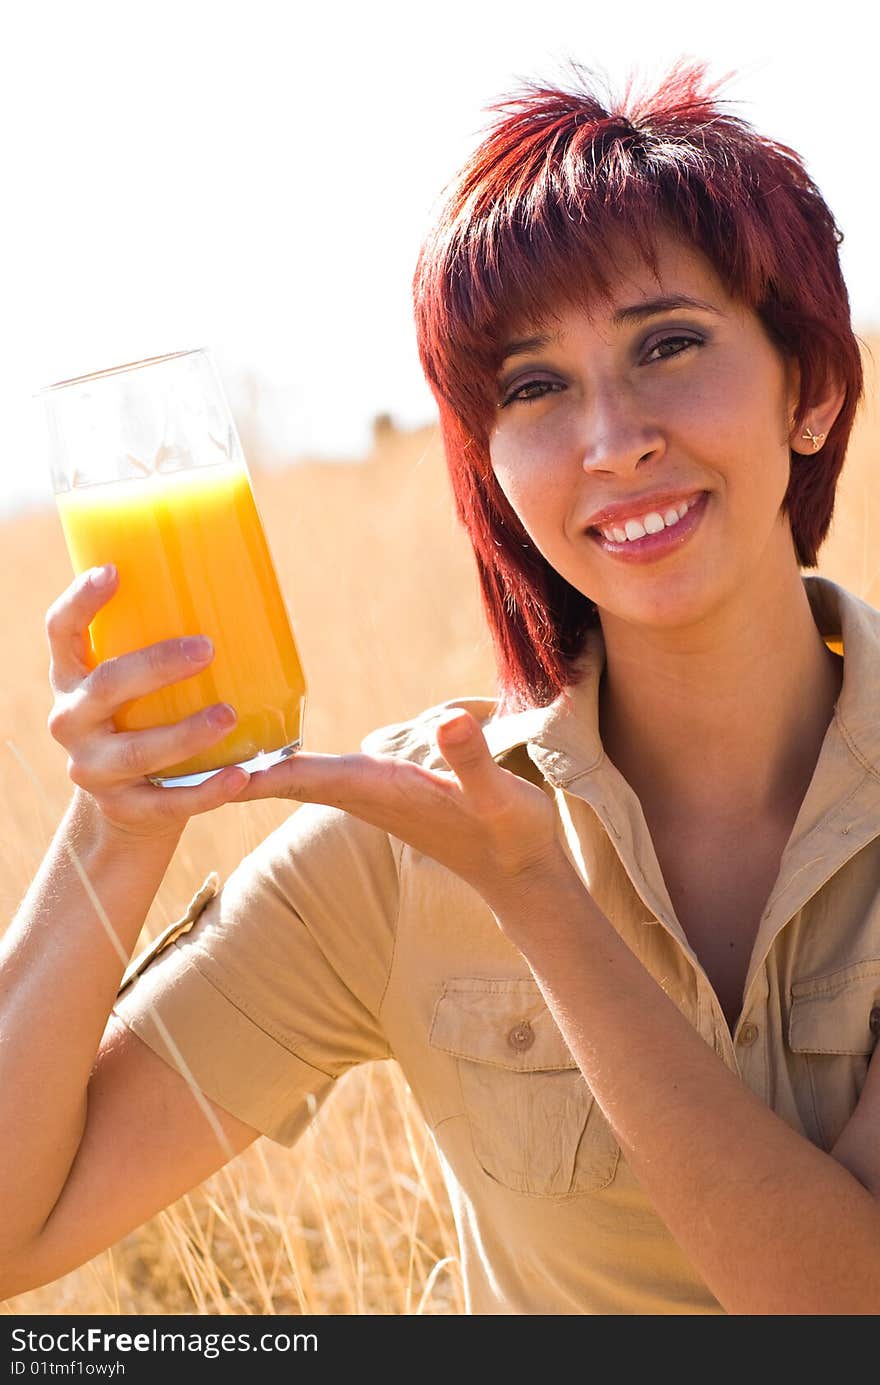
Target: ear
{"points": [[809, 436]]}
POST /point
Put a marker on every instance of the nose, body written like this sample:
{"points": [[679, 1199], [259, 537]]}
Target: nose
{"points": [[618, 436]]}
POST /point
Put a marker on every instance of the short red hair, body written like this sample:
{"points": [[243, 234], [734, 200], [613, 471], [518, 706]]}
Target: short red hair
{"points": [[531, 221]]}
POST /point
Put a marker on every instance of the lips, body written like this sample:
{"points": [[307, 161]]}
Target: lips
{"points": [[641, 506], [652, 522], [629, 538]]}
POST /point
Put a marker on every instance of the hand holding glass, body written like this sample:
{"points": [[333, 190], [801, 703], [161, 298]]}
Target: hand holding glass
{"points": [[149, 475]]}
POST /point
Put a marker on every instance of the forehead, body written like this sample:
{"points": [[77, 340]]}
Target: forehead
{"points": [[670, 266], [668, 273]]}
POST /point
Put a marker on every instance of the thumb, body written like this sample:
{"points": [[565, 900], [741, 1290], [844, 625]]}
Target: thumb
{"points": [[463, 747]]}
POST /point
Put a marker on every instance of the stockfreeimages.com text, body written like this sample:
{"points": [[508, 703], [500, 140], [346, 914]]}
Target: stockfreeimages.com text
{"points": [[211, 1345]]}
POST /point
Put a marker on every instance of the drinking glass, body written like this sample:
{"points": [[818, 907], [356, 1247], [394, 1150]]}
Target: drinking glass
{"points": [[148, 474]]}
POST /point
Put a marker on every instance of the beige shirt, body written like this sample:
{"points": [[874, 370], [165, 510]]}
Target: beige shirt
{"points": [[333, 944]]}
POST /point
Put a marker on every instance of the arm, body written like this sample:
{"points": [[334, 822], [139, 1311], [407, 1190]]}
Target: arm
{"points": [[61, 962], [774, 1225], [143, 1145]]}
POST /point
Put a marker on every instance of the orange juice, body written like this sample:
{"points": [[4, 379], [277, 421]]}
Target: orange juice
{"points": [[193, 560]]}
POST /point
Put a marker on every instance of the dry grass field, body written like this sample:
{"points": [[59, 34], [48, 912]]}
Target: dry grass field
{"points": [[382, 592]]}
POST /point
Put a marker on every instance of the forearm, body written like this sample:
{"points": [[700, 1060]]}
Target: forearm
{"points": [[772, 1223], [61, 961]]}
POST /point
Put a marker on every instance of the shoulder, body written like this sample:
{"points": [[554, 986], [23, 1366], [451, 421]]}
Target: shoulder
{"points": [[851, 626]]}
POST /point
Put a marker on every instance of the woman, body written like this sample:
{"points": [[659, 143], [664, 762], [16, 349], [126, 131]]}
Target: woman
{"points": [[620, 929]]}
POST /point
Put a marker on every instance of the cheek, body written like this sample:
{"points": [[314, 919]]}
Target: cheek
{"points": [[510, 468], [512, 479], [530, 466], [528, 495], [745, 400]]}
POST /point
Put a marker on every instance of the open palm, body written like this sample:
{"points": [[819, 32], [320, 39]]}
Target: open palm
{"points": [[492, 828]]}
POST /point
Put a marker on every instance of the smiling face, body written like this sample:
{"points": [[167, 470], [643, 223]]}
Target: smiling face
{"points": [[645, 445]]}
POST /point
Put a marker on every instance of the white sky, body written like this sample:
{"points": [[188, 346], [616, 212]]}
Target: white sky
{"points": [[256, 175]]}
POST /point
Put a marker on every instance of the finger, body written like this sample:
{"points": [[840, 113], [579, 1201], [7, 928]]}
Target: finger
{"points": [[114, 682], [119, 757], [126, 677], [385, 792], [67, 624], [226, 786], [152, 804], [335, 780], [463, 746]]}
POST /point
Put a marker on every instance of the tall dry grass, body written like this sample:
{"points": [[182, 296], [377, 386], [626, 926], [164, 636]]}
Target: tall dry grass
{"points": [[381, 587]]}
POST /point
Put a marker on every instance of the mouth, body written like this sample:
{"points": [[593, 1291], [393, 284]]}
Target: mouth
{"points": [[644, 538]]}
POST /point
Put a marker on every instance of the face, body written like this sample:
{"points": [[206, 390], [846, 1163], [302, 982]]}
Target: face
{"points": [[645, 445]]}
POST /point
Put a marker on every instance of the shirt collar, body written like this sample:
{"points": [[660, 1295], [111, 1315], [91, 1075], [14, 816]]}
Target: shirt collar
{"points": [[564, 741]]}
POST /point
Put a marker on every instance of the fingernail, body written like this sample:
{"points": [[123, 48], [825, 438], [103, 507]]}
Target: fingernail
{"points": [[222, 715], [196, 648], [102, 576], [456, 729]]}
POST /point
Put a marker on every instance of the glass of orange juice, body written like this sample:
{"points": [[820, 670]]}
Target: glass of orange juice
{"points": [[149, 475]]}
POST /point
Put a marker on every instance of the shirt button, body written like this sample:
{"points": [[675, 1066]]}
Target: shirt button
{"points": [[521, 1036], [874, 1021], [747, 1035]]}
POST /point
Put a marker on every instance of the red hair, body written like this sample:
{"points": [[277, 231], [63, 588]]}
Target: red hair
{"points": [[532, 220]]}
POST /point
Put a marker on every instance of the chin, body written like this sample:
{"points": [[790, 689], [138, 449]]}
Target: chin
{"points": [[667, 606]]}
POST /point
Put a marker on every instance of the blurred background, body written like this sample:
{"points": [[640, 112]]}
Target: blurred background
{"points": [[256, 177]]}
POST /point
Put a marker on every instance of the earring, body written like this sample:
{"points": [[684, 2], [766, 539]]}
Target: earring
{"points": [[816, 439]]}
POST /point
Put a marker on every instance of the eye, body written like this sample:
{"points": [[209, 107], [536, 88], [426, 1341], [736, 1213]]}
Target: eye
{"points": [[667, 347], [529, 391]]}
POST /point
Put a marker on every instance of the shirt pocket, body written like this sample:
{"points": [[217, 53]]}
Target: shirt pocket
{"points": [[833, 1025], [535, 1126]]}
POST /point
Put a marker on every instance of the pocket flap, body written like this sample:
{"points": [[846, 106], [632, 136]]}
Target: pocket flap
{"points": [[169, 935], [505, 1023], [835, 1013]]}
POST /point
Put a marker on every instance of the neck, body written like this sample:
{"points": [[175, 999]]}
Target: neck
{"points": [[725, 719]]}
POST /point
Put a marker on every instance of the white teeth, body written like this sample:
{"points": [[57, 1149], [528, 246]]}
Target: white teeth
{"points": [[651, 523]]}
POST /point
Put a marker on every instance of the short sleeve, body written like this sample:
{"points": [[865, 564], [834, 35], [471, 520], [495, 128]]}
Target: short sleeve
{"points": [[271, 986]]}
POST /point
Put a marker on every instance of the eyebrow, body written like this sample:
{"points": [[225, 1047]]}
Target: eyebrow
{"points": [[639, 311], [635, 313]]}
